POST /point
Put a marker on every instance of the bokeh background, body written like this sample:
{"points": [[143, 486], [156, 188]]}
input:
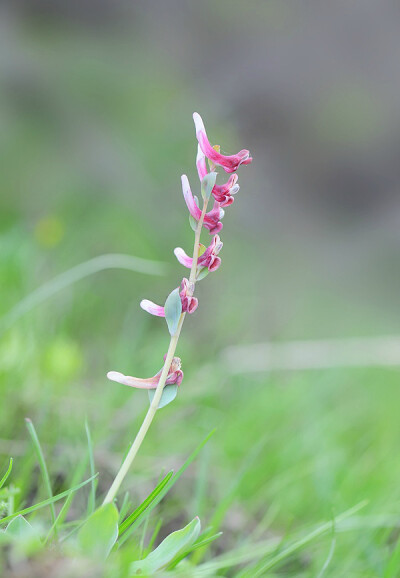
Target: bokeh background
{"points": [[96, 101]]}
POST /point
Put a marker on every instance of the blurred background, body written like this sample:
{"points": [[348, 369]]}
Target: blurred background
{"points": [[96, 101]]}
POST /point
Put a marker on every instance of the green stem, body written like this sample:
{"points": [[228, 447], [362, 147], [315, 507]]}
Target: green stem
{"points": [[151, 412]]}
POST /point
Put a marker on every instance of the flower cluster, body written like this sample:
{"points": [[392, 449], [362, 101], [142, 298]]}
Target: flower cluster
{"points": [[205, 259]]}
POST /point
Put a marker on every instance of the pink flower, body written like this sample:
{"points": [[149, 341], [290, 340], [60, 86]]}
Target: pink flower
{"points": [[175, 376], [229, 163], [212, 219], [208, 259], [221, 193], [189, 303]]}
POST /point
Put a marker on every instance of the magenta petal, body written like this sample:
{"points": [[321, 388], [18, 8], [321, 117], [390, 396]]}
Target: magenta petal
{"points": [[183, 259], [152, 308]]}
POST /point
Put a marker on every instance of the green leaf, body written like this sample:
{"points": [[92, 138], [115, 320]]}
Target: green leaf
{"points": [[193, 222], [45, 502], [19, 527], [172, 546], [173, 310], [100, 532], [169, 394], [203, 273], [146, 503], [207, 185], [8, 472], [23, 535]]}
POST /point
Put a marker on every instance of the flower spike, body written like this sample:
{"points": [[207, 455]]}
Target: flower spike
{"points": [[175, 377], [182, 300], [229, 163]]}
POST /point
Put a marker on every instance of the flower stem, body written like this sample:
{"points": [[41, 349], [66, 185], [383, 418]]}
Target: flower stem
{"points": [[112, 492]]}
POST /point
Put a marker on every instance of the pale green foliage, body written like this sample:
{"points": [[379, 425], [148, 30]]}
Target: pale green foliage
{"points": [[98, 535], [173, 310], [172, 546]]}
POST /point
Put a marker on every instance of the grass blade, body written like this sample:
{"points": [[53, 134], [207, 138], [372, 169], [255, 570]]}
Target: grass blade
{"points": [[167, 487], [92, 495], [298, 544], [43, 467], [145, 504], [8, 472], [199, 544], [67, 504], [101, 263], [45, 503], [153, 536], [124, 507]]}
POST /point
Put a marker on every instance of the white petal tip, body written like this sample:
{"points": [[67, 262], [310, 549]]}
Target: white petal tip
{"points": [[198, 122], [115, 376]]}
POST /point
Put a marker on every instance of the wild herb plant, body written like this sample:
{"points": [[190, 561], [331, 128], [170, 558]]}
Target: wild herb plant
{"points": [[106, 529], [163, 387]]}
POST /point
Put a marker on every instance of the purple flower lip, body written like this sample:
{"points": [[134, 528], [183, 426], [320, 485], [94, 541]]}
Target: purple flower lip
{"points": [[229, 163], [175, 377]]}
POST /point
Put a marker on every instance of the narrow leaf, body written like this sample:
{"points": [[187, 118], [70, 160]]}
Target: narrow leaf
{"points": [[8, 472], [207, 185], [146, 503], [299, 544], [169, 394], [100, 532], [198, 544], [173, 310], [67, 504], [92, 496], [169, 548]]}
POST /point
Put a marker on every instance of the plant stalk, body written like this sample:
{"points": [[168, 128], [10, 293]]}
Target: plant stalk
{"points": [[112, 492]]}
